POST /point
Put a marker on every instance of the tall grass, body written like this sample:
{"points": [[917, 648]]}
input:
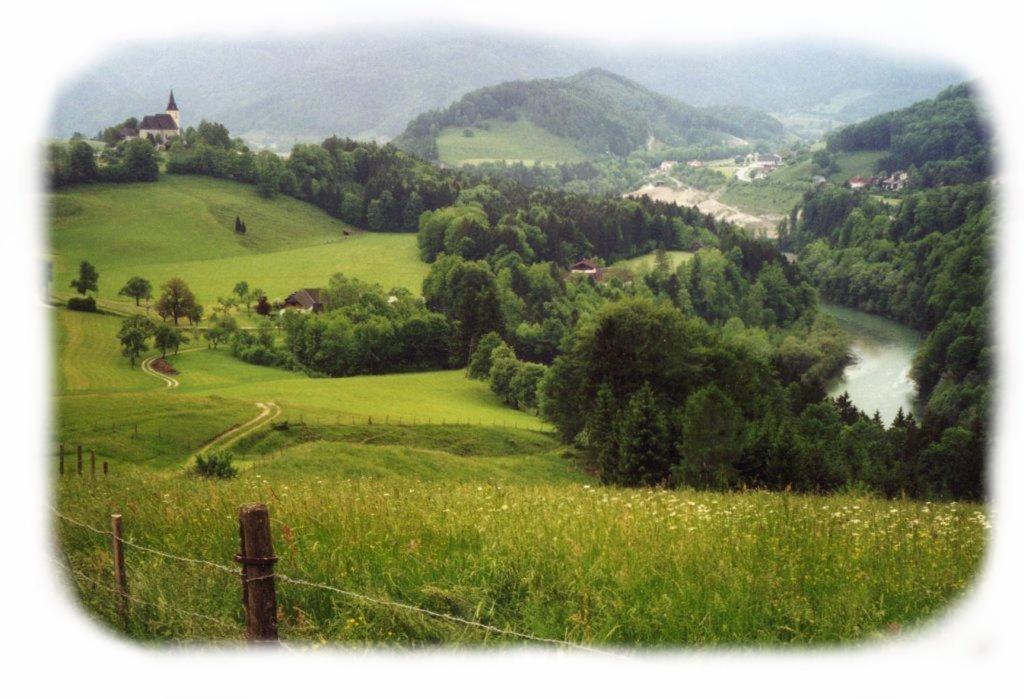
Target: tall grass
{"points": [[579, 562]]}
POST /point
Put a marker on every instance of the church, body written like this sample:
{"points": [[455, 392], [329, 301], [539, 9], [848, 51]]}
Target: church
{"points": [[162, 127]]}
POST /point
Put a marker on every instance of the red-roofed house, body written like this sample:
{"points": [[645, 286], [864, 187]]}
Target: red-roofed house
{"points": [[304, 301]]}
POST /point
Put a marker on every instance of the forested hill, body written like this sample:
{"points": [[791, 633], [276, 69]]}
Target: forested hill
{"points": [[946, 140], [600, 112]]}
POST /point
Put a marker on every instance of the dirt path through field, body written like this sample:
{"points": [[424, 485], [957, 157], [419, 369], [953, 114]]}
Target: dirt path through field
{"points": [[147, 366], [268, 411]]}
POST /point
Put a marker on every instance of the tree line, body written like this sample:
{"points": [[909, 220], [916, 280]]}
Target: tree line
{"points": [[942, 141], [133, 160]]}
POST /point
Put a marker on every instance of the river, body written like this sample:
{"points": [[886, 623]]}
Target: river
{"points": [[879, 378]]}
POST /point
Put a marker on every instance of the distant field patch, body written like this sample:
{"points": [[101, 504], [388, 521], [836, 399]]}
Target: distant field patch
{"points": [[862, 163], [644, 263], [502, 140], [767, 196]]}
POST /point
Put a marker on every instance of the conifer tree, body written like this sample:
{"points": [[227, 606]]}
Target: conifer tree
{"points": [[604, 437], [645, 450]]}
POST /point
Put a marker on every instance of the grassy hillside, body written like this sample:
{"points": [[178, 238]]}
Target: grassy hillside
{"points": [[130, 418], [421, 488], [497, 139], [184, 226]]}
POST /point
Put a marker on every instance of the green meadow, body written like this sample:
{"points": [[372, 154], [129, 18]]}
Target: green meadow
{"points": [[184, 226], [502, 140], [437, 396], [131, 418]]}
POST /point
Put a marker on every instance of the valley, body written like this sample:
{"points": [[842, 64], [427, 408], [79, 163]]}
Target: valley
{"points": [[490, 399]]}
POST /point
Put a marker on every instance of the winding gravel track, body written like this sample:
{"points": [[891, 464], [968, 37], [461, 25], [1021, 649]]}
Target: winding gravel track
{"points": [[268, 411]]}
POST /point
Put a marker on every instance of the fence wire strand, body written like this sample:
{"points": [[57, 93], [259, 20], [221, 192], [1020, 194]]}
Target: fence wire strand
{"points": [[161, 604], [368, 599], [155, 552]]}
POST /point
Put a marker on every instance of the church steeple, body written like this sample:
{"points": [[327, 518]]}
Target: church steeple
{"points": [[172, 110]]}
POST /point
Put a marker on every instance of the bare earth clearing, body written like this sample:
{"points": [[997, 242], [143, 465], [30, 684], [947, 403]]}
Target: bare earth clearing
{"points": [[707, 203]]}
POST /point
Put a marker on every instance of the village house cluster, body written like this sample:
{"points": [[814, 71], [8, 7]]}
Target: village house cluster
{"points": [[889, 182], [764, 163]]}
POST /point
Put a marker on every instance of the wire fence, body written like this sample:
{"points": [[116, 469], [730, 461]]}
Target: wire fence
{"points": [[238, 573]]}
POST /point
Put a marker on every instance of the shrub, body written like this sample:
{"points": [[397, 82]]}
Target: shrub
{"points": [[82, 303], [216, 464], [480, 362]]}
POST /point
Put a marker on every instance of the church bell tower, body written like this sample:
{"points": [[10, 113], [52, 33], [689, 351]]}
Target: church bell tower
{"points": [[172, 110]]}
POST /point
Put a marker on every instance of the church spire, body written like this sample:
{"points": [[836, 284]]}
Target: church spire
{"points": [[171, 106]]}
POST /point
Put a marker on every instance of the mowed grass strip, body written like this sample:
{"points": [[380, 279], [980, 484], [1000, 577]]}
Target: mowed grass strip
{"points": [[579, 562], [437, 396], [184, 226], [502, 140]]}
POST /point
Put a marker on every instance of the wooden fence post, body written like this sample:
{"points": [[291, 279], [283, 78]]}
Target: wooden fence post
{"points": [[257, 559], [79, 459], [104, 468], [116, 542], [62, 459]]}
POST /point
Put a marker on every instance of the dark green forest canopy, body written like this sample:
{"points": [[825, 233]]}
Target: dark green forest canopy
{"points": [[946, 140]]}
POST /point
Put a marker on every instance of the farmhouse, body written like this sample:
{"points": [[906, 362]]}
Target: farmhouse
{"points": [[588, 267], [304, 301], [859, 182], [162, 127], [667, 165]]}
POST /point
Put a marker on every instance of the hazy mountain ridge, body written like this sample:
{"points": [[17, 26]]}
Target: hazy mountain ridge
{"points": [[372, 85]]}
